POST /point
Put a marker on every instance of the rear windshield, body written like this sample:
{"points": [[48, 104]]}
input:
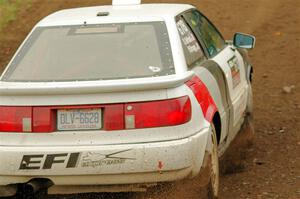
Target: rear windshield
{"points": [[93, 52]]}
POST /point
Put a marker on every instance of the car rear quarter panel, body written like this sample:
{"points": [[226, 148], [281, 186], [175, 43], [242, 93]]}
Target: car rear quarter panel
{"points": [[211, 83]]}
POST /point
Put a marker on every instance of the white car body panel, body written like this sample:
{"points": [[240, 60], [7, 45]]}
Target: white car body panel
{"points": [[138, 158], [237, 94], [91, 87], [125, 2]]}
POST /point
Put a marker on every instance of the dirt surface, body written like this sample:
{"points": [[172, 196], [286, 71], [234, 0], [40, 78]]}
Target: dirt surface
{"points": [[271, 167]]}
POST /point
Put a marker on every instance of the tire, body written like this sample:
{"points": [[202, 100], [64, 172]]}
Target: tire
{"points": [[213, 185], [249, 109]]}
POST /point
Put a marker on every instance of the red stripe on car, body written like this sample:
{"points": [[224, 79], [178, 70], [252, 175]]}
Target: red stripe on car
{"points": [[203, 97]]}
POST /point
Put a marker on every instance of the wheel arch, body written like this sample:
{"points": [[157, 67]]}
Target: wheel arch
{"points": [[216, 120], [250, 74]]}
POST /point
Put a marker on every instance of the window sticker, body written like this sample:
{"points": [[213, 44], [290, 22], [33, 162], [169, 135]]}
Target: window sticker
{"points": [[188, 38], [235, 71]]}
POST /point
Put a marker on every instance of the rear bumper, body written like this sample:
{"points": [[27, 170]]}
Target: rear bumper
{"points": [[106, 164]]}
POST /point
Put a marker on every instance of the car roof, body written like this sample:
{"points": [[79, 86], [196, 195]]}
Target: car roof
{"points": [[117, 13]]}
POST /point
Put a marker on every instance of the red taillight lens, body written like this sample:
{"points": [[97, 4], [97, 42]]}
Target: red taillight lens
{"points": [[158, 113], [44, 119], [114, 117], [15, 119]]}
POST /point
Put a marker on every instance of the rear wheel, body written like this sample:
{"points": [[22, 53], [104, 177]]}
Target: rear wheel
{"points": [[213, 186]]}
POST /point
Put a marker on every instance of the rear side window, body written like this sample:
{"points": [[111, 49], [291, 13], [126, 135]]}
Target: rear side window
{"points": [[205, 31], [94, 52], [191, 47]]}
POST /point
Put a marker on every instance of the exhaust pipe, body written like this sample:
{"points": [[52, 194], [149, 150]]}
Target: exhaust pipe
{"points": [[38, 184]]}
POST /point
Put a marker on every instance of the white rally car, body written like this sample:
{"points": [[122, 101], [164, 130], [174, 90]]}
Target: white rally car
{"points": [[121, 97]]}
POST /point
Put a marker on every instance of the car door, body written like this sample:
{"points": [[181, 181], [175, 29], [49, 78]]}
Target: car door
{"points": [[230, 61]]}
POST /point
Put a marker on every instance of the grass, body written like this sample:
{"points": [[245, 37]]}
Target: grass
{"points": [[8, 10]]}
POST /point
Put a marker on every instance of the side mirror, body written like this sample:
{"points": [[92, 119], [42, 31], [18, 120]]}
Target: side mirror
{"points": [[245, 41]]}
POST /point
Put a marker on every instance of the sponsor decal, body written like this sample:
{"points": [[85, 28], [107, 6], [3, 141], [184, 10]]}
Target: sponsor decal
{"points": [[72, 160], [93, 159], [46, 161], [235, 71]]}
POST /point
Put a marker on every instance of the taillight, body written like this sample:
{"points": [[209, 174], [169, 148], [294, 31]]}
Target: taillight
{"points": [[15, 119], [44, 119], [115, 116], [157, 113]]}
